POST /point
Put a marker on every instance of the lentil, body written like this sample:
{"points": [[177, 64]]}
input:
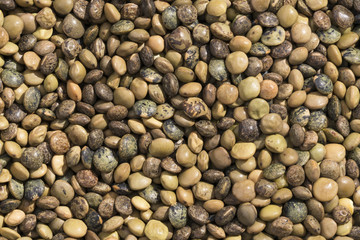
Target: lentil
{"points": [[179, 119]]}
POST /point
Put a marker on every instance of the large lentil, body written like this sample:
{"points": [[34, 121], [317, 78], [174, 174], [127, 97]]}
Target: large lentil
{"points": [[204, 119]]}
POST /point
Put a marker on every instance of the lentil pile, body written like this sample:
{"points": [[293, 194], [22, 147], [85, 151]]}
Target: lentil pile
{"points": [[179, 119]]}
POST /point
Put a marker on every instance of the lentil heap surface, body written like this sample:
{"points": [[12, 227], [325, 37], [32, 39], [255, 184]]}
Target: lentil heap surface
{"points": [[179, 119]]}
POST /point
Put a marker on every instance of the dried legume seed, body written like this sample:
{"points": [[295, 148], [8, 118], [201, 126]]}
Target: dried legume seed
{"points": [[205, 119]]}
